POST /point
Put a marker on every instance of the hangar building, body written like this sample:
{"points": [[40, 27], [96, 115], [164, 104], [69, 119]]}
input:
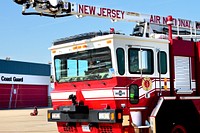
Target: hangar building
{"points": [[23, 84]]}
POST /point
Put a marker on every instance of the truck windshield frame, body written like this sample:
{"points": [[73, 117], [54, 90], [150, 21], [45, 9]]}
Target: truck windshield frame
{"points": [[93, 64]]}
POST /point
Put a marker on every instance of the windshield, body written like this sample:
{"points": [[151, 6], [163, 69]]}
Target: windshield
{"points": [[84, 65]]}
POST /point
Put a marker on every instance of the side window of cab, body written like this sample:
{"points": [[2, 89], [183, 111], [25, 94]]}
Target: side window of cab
{"points": [[120, 60]]}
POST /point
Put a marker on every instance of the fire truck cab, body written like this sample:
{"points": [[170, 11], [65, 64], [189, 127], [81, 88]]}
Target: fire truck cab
{"points": [[111, 82]]}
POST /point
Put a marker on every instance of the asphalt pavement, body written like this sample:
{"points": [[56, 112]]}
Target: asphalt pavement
{"points": [[20, 121]]}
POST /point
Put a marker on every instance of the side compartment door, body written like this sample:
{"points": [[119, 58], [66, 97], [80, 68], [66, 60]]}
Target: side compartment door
{"points": [[182, 75]]}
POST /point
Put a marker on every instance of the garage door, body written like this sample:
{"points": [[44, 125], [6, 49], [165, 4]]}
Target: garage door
{"points": [[23, 96]]}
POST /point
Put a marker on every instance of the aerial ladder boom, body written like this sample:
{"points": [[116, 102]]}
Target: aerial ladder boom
{"points": [[146, 23], [62, 8]]}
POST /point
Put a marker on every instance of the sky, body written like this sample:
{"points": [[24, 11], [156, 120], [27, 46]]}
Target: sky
{"points": [[28, 38]]}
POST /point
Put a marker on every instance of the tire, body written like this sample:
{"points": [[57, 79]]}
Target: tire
{"points": [[178, 129]]}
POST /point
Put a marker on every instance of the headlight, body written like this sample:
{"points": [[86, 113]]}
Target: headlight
{"points": [[104, 115], [55, 116]]}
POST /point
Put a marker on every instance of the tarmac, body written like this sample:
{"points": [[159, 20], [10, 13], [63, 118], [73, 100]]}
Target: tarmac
{"points": [[20, 121]]}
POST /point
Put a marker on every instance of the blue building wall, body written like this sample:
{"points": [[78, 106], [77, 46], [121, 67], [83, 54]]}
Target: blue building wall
{"points": [[24, 68]]}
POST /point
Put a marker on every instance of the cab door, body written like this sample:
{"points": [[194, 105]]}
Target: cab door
{"points": [[140, 66]]}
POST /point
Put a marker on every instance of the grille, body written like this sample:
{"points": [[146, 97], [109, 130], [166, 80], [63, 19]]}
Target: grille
{"points": [[105, 129], [70, 129]]}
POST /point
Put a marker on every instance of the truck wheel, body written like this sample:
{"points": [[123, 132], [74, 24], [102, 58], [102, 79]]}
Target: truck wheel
{"points": [[178, 129]]}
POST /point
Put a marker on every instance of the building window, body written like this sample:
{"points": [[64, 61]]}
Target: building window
{"points": [[133, 61], [162, 62], [120, 61]]}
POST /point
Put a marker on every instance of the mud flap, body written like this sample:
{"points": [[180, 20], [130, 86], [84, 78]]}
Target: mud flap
{"points": [[152, 124]]}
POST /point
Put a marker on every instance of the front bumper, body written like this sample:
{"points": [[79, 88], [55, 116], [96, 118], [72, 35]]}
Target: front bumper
{"points": [[76, 113]]}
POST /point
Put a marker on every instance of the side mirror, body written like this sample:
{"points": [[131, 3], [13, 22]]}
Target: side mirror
{"points": [[143, 62]]}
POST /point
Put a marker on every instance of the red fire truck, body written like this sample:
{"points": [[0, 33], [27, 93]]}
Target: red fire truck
{"points": [[109, 82]]}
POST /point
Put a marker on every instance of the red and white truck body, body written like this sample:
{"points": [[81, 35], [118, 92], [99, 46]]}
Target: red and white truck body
{"points": [[108, 82]]}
